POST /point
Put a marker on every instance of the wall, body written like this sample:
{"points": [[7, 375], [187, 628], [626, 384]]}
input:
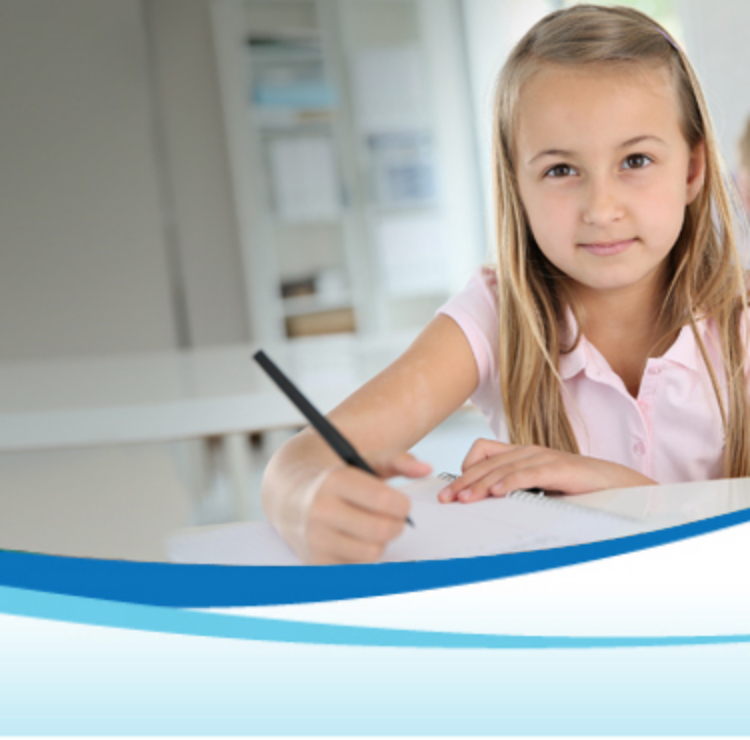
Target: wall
{"points": [[716, 40], [85, 204], [196, 154], [491, 29]]}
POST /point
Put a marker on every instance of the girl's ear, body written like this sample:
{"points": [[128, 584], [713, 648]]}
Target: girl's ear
{"points": [[696, 171]]}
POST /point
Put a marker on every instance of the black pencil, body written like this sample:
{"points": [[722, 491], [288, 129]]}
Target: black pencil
{"points": [[341, 446]]}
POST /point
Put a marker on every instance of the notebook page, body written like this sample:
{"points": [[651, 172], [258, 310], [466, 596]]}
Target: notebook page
{"points": [[244, 543], [488, 527], [497, 525]]}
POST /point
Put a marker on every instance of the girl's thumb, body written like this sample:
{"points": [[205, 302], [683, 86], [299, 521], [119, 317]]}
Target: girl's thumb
{"points": [[407, 465]]}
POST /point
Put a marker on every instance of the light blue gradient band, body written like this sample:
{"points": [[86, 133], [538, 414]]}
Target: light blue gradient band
{"points": [[79, 610]]}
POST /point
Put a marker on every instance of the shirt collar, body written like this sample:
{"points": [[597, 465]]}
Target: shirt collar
{"points": [[573, 362], [684, 351]]}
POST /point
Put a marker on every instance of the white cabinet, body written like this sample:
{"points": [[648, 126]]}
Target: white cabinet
{"points": [[349, 128]]}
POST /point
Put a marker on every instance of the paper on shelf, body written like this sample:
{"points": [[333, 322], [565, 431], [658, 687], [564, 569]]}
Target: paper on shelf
{"points": [[413, 255], [389, 89], [304, 178]]}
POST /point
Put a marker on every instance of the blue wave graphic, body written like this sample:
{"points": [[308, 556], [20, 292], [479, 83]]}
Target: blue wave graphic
{"points": [[94, 612], [205, 586]]}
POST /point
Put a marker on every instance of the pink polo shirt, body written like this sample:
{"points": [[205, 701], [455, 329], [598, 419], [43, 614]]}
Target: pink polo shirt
{"points": [[671, 433]]}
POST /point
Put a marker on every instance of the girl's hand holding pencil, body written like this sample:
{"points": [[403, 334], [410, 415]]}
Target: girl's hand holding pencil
{"points": [[332, 512], [353, 515], [495, 469]]}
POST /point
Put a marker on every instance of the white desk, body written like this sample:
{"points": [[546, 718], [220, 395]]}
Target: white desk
{"points": [[213, 394], [642, 509]]}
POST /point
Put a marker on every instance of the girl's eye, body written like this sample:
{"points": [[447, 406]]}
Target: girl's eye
{"points": [[560, 170], [637, 161]]}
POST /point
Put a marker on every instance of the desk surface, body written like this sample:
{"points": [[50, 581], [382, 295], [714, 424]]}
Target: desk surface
{"points": [[670, 505], [645, 508], [161, 396]]}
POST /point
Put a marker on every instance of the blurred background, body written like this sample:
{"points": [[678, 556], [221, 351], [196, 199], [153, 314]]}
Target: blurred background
{"points": [[185, 180]]}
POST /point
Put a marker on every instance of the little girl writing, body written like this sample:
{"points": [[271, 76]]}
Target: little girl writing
{"points": [[606, 348]]}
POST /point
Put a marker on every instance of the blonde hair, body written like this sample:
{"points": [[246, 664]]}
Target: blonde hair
{"points": [[705, 279]]}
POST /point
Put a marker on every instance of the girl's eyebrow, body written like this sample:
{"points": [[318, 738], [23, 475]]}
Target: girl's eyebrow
{"points": [[567, 153], [639, 139], [551, 153]]}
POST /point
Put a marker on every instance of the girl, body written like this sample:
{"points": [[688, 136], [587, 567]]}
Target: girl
{"points": [[607, 345]]}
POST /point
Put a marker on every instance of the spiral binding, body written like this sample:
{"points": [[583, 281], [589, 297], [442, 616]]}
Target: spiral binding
{"points": [[532, 493], [522, 495], [540, 499]]}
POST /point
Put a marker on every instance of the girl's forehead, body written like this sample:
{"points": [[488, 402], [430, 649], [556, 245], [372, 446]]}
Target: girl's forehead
{"points": [[565, 104], [557, 84]]}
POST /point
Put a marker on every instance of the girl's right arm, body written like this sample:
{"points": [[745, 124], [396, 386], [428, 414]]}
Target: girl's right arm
{"points": [[333, 513]]}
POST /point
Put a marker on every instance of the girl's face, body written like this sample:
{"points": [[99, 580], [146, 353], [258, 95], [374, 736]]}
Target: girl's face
{"points": [[605, 173]]}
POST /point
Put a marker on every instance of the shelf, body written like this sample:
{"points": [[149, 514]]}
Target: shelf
{"points": [[274, 48], [347, 160], [331, 321], [307, 304], [281, 118], [416, 207]]}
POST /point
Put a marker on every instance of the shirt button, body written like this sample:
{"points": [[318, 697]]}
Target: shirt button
{"points": [[639, 448], [654, 369]]}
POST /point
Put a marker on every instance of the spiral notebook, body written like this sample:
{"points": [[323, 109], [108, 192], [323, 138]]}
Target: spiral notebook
{"points": [[518, 522]]}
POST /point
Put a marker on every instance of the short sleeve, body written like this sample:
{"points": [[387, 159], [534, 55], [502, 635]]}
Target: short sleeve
{"points": [[475, 310]]}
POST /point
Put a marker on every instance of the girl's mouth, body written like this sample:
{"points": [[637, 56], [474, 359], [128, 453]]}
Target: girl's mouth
{"points": [[606, 249]]}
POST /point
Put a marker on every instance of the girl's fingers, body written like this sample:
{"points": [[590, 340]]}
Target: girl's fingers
{"points": [[447, 495], [530, 477], [496, 481], [476, 481], [482, 449], [522, 467], [409, 466], [336, 514], [353, 517], [362, 490], [403, 463]]}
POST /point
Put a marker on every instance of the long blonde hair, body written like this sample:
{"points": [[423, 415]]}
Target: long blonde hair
{"points": [[705, 281]]}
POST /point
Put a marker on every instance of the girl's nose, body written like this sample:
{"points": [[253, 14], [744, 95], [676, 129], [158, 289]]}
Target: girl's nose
{"points": [[602, 204]]}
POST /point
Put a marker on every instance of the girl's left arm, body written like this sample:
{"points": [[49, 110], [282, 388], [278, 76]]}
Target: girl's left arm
{"points": [[494, 468]]}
